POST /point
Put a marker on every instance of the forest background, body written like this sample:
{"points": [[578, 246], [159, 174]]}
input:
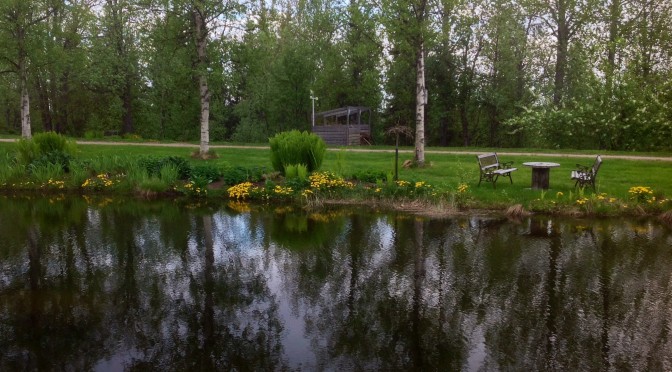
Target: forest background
{"points": [[583, 74]]}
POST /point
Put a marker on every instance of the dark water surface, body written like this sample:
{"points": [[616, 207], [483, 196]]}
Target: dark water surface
{"points": [[103, 284]]}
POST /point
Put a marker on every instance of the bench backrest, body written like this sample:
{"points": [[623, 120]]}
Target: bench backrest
{"points": [[596, 165], [489, 160]]}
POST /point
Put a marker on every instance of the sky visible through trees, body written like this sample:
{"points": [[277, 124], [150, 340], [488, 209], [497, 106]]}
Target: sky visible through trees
{"points": [[593, 74]]}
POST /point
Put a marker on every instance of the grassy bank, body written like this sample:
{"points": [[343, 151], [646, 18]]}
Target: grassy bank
{"points": [[450, 180]]}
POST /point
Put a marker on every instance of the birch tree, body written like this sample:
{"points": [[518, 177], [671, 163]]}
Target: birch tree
{"points": [[210, 19], [406, 23], [21, 22]]}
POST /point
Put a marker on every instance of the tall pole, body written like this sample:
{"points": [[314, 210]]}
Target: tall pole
{"points": [[313, 98]]}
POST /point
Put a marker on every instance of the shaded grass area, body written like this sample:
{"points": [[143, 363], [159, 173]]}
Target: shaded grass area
{"points": [[445, 171]]}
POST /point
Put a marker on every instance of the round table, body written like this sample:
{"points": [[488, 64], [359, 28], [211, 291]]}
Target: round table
{"points": [[540, 173]]}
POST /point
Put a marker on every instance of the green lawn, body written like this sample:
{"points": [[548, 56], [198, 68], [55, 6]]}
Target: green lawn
{"points": [[445, 171], [448, 170]]}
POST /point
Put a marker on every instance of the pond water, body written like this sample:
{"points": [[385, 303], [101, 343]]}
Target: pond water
{"points": [[107, 285]]}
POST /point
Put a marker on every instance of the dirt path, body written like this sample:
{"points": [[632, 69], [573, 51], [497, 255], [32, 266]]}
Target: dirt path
{"points": [[507, 153]]}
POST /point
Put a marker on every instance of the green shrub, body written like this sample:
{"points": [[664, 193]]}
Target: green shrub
{"points": [[296, 147], [153, 165], [48, 142], [290, 171], [238, 174], [207, 172], [26, 151], [54, 157], [46, 148]]}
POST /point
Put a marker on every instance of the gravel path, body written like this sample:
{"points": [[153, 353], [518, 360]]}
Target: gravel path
{"points": [[507, 153]]}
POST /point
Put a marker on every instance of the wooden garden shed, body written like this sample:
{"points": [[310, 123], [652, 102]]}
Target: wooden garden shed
{"points": [[345, 126]]}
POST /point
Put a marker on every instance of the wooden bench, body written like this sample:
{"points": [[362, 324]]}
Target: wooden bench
{"points": [[585, 175], [491, 168]]}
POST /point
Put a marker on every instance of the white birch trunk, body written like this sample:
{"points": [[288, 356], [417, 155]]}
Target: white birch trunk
{"points": [[25, 106], [420, 102], [205, 114], [204, 92]]}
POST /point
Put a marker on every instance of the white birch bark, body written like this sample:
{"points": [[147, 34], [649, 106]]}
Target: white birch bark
{"points": [[420, 102], [25, 105], [204, 91]]}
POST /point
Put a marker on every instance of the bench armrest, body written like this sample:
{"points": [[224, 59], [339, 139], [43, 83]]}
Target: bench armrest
{"points": [[505, 165], [582, 168]]}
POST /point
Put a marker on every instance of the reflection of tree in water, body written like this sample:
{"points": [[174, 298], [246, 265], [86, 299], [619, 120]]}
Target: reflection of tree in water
{"points": [[93, 293], [153, 286], [581, 310], [375, 308], [212, 311], [46, 320]]}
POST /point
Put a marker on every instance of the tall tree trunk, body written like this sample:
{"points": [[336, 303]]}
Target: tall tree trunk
{"points": [[420, 102], [204, 92], [23, 83], [561, 51], [614, 18], [127, 99], [25, 105]]}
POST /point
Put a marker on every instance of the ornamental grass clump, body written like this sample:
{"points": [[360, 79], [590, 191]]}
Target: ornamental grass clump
{"points": [[45, 149], [295, 147]]}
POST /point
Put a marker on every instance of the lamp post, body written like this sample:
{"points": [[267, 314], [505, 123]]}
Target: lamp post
{"points": [[313, 98]]}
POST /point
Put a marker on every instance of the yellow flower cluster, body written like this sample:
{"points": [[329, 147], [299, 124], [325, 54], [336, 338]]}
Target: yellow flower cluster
{"points": [[327, 180], [402, 183], [641, 194], [282, 190], [640, 190], [55, 184], [462, 188], [240, 191], [191, 188], [99, 181], [306, 193], [582, 201]]}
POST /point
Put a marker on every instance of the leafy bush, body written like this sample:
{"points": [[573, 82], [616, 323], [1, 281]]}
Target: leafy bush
{"points": [[46, 148], [207, 172], [238, 174], [291, 171], [296, 147], [153, 165], [55, 157], [26, 151], [48, 142]]}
